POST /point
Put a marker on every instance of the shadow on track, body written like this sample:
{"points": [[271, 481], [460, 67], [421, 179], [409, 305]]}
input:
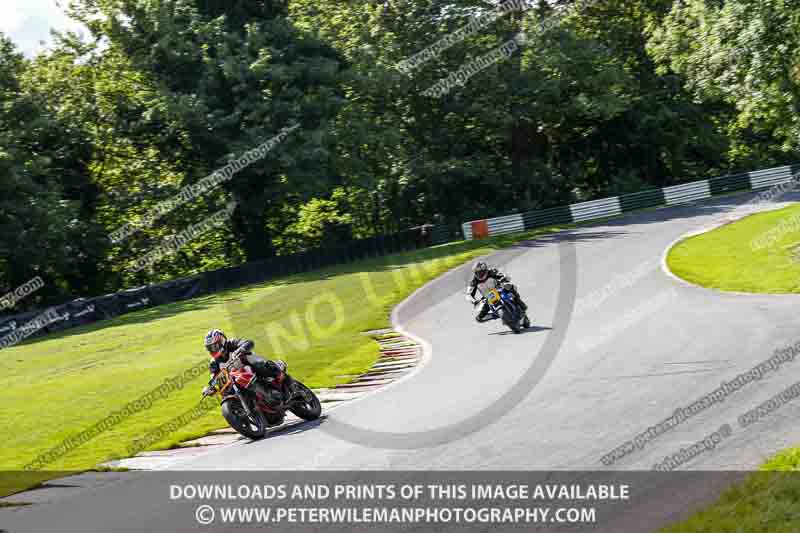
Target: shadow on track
{"points": [[283, 431], [532, 329]]}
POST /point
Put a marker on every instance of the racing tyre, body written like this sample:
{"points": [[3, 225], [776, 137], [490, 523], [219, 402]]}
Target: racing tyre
{"points": [[510, 322], [311, 409], [237, 418]]}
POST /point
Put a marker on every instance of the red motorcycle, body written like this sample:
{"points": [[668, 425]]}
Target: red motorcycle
{"points": [[250, 406]]}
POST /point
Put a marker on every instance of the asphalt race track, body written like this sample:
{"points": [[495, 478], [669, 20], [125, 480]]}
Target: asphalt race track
{"points": [[590, 400], [617, 345]]}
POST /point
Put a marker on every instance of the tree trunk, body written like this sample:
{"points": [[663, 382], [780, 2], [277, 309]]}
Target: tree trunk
{"points": [[520, 150], [249, 223]]}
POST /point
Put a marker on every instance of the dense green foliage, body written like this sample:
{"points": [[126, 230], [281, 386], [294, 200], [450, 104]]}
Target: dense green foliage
{"points": [[603, 97]]}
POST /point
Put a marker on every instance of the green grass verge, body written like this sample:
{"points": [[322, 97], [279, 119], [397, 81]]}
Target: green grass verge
{"points": [[55, 387], [766, 501], [724, 258]]}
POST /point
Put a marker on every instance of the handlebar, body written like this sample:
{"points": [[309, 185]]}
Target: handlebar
{"points": [[235, 357]]}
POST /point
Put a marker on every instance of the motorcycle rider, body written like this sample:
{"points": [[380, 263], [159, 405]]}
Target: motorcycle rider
{"points": [[221, 348], [481, 272]]}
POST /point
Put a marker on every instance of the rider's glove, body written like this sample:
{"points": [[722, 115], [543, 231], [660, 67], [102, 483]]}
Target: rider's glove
{"points": [[470, 299], [209, 390], [280, 366]]}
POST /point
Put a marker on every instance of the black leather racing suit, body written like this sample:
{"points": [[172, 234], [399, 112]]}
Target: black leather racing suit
{"points": [[500, 278], [262, 367]]}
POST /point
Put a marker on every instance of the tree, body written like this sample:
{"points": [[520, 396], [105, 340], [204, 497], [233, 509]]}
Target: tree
{"points": [[744, 54], [231, 75], [42, 192]]}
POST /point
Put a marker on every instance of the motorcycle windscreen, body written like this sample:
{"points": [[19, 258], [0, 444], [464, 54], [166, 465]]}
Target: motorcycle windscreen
{"points": [[489, 289]]}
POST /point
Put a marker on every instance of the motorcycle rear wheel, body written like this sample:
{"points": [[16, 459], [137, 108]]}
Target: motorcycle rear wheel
{"points": [[309, 410], [509, 321], [237, 418]]}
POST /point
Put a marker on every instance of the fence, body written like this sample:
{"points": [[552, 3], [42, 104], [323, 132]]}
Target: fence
{"points": [[609, 207]]}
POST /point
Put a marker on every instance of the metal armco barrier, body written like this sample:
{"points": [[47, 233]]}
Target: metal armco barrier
{"points": [[596, 208], [688, 192], [762, 179], [608, 207]]}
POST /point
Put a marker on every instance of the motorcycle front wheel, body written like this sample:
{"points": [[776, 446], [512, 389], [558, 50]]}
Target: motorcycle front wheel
{"points": [[237, 418], [310, 408]]}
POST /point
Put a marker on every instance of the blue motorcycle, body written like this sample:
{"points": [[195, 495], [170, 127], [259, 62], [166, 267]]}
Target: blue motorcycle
{"points": [[503, 305]]}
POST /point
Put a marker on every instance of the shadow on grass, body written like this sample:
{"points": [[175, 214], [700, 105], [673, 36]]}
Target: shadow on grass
{"points": [[138, 317], [387, 263], [514, 242]]}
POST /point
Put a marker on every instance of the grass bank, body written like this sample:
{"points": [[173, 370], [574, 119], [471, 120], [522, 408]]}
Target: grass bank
{"points": [[767, 501], [755, 254], [56, 387]]}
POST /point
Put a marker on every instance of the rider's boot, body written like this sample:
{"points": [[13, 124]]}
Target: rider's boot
{"points": [[485, 314]]}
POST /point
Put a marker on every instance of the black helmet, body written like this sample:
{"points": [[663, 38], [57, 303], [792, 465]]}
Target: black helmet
{"points": [[215, 343], [481, 270]]}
